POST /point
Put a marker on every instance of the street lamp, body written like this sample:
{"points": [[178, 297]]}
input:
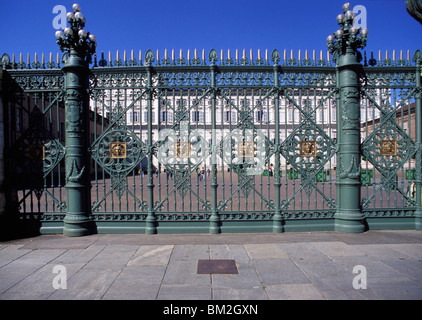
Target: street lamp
{"points": [[348, 38], [80, 46], [343, 44], [75, 38]]}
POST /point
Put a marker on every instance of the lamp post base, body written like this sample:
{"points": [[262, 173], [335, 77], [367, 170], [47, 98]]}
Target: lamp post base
{"points": [[79, 228], [349, 222]]}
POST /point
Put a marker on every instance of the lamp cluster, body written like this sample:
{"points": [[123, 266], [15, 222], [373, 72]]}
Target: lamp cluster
{"points": [[348, 35], [75, 37]]}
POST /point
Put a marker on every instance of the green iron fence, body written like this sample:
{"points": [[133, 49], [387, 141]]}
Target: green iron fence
{"points": [[213, 143]]}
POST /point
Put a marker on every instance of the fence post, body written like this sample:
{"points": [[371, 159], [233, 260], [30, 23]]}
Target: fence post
{"points": [[277, 219], [78, 221], [344, 45], [214, 218], [151, 222], [79, 45], [349, 217], [418, 122]]}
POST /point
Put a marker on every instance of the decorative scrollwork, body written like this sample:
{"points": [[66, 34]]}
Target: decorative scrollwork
{"points": [[118, 151]]}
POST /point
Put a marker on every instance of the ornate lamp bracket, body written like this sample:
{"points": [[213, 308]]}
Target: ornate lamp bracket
{"points": [[348, 38], [75, 39]]}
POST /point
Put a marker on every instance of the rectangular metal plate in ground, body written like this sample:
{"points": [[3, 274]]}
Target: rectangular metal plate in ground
{"points": [[217, 267]]}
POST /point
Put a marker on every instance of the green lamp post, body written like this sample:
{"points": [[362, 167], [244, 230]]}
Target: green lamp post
{"points": [[79, 46], [344, 45]]}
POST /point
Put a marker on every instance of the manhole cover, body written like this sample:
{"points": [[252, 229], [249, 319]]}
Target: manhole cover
{"points": [[217, 267]]}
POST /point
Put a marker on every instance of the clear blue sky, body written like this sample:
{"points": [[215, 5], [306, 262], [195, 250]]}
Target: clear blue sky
{"points": [[221, 24]]}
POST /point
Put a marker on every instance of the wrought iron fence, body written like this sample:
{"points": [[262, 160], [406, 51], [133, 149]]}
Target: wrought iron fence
{"points": [[235, 142]]}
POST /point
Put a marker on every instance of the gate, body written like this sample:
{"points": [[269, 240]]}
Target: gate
{"points": [[196, 143], [214, 144]]}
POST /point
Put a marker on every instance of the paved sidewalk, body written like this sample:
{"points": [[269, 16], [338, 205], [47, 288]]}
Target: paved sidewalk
{"points": [[315, 265]]}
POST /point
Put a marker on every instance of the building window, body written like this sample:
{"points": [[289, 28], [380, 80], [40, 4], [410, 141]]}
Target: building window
{"points": [[260, 115], [133, 116], [181, 102], [245, 102], [229, 116], [198, 116], [166, 116], [319, 116], [333, 114], [146, 116], [290, 114]]}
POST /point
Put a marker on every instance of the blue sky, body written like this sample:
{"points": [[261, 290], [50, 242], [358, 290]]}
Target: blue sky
{"points": [[220, 24]]}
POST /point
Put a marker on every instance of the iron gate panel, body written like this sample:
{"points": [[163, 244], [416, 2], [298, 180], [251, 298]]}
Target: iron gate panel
{"points": [[389, 148], [35, 143], [243, 96]]}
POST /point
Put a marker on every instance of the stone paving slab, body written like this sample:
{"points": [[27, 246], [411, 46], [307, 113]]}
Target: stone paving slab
{"points": [[297, 266], [301, 291]]}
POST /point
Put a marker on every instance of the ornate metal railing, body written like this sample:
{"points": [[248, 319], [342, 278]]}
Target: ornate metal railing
{"points": [[213, 142]]}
